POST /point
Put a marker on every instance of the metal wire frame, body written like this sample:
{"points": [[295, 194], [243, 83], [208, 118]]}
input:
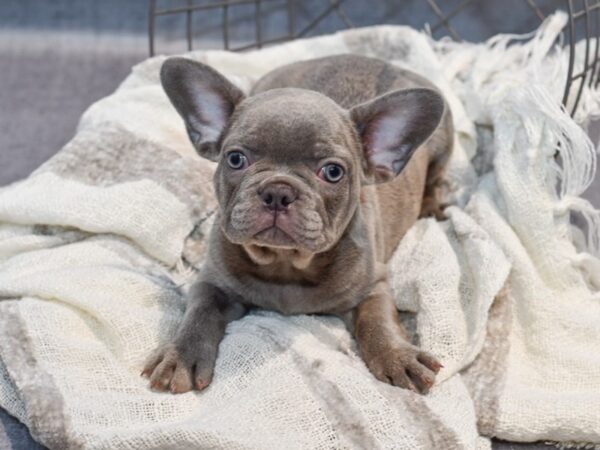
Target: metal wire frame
{"points": [[334, 6], [584, 18], [588, 14], [582, 11]]}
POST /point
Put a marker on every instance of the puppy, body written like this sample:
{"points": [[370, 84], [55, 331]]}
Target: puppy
{"points": [[321, 171]]}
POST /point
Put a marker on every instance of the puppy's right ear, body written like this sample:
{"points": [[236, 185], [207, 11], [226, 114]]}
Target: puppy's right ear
{"points": [[203, 97]]}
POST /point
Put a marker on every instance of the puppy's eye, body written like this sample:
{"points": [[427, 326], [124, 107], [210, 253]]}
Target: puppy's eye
{"points": [[331, 173], [237, 160]]}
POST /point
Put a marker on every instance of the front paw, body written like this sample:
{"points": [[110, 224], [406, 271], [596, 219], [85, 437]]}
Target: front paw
{"points": [[179, 368], [405, 366]]}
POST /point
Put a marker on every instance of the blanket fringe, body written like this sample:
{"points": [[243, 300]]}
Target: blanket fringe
{"points": [[538, 61]]}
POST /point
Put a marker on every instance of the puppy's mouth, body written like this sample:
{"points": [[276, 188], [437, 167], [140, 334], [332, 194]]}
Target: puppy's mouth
{"points": [[274, 236], [272, 230]]}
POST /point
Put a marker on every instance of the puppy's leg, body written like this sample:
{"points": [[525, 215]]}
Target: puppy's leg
{"points": [[439, 148], [189, 360], [384, 346]]}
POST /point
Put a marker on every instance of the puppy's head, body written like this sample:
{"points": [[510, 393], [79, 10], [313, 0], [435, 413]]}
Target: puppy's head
{"points": [[291, 161]]}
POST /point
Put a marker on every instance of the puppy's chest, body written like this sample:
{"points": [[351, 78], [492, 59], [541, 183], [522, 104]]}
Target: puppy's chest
{"points": [[285, 298], [299, 295]]}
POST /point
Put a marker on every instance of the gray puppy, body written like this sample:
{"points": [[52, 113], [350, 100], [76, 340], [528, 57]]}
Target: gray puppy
{"points": [[321, 171]]}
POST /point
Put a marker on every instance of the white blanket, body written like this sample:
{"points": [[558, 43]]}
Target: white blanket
{"points": [[97, 245]]}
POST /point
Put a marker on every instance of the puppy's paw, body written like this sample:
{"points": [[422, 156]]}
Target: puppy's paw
{"points": [[178, 369], [430, 207], [405, 366]]}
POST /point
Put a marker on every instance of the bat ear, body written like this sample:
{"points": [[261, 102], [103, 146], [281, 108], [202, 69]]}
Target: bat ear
{"points": [[393, 126], [203, 97]]}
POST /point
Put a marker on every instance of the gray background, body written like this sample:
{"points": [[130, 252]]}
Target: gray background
{"points": [[57, 57]]}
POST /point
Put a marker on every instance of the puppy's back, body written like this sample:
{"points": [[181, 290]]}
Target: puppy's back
{"points": [[347, 79]]}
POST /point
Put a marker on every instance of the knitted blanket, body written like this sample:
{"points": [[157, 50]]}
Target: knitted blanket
{"points": [[98, 245]]}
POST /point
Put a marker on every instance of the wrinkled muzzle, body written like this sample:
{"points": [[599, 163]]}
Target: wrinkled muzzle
{"points": [[275, 210]]}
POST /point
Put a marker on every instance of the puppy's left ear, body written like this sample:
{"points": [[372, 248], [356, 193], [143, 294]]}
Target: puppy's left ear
{"points": [[393, 126], [204, 98]]}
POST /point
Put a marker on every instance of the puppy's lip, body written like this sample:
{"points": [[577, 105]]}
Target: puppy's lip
{"points": [[274, 236]]}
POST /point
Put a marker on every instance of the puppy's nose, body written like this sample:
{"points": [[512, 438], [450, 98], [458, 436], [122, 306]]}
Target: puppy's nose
{"points": [[278, 196]]}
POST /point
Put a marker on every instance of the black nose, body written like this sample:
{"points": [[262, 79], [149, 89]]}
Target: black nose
{"points": [[278, 196]]}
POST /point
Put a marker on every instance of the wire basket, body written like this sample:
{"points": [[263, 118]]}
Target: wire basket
{"points": [[584, 23]]}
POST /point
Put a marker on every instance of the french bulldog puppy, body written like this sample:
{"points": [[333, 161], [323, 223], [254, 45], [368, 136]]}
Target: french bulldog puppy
{"points": [[321, 171]]}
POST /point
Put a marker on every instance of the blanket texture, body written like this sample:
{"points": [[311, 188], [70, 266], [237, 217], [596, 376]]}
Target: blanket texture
{"points": [[97, 247]]}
